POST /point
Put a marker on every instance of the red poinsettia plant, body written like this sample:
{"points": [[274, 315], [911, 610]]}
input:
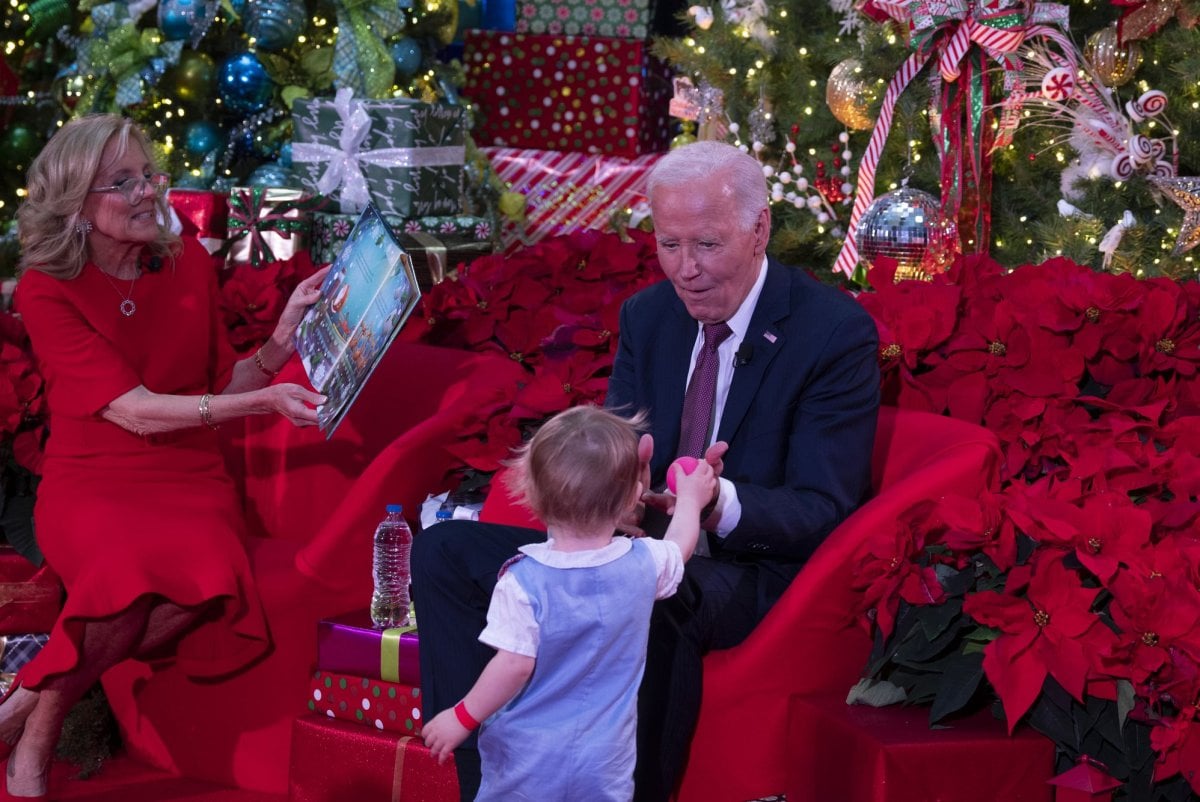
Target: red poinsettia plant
{"points": [[22, 434], [1073, 589]]}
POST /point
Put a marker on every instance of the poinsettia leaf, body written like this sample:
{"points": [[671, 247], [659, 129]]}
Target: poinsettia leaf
{"points": [[937, 617], [1126, 699], [875, 693], [917, 648], [1025, 547], [1052, 720], [955, 583], [977, 638], [960, 680]]}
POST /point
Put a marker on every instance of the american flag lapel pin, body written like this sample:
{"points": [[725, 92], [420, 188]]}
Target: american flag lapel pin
{"points": [[769, 337]]}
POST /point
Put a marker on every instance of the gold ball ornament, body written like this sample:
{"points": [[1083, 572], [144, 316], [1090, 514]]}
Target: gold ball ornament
{"points": [[849, 95], [1114, 63], [194, 76], [686, 135], [908, 225]]}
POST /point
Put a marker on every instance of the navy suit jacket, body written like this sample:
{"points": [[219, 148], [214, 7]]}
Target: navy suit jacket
{"points": [[800, 416]]}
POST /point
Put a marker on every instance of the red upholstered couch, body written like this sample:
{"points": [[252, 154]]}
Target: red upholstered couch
{"points": [[312, 505], [810, 642]]}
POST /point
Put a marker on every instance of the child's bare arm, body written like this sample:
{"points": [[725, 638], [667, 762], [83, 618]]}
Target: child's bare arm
{"points": [[693, 491], [504, 675]]}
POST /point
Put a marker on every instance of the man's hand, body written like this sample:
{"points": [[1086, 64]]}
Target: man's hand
{"points": [[714, 456]]}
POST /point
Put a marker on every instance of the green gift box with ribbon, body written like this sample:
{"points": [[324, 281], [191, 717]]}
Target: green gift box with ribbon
{"points": [[404, 156], [437, 245]]}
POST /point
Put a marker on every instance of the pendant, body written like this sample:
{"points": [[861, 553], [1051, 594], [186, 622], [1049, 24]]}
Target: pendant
{"points": [[128, 307]]}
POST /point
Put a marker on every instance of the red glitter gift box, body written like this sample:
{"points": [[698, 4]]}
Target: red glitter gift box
{"points": [[334, 761]]}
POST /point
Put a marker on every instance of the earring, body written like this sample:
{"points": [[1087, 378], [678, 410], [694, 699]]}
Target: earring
{"points": [[83, 227]]}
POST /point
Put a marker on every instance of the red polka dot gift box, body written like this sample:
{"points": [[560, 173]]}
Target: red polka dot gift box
{"points": [[372, 702], [582, 94]]}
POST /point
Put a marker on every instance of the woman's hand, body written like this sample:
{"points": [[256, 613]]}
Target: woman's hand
{"points": [[293, 402], [305, 295]]}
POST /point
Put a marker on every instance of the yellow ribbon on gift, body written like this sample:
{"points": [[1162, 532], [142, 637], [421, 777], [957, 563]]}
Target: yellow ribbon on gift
{"points": [[389, 653]]}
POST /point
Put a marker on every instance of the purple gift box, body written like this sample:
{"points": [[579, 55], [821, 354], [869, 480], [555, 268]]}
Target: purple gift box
{"points": [[350, 644]]}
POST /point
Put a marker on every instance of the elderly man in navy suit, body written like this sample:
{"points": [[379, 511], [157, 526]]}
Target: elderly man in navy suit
{"points": [[756, 367]]}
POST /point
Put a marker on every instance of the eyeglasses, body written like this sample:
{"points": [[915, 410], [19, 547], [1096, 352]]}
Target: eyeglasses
{"points": [[134, 189]]}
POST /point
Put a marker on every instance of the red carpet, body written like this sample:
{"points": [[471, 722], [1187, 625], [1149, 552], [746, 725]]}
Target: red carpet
{"points": [[124, 780]]}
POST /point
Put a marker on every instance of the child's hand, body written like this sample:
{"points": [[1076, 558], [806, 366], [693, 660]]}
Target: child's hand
{"points": [[443, 734], [699, 486]]}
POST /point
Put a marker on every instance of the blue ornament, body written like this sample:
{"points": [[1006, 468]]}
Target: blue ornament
{"points": [[243, 84], [272, 175], [285, 154], [407, 56], [185, 19], [274, 24], [201, 137]]}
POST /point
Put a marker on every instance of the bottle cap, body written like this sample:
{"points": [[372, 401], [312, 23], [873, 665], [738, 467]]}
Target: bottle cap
{"points": [[395, 508]]}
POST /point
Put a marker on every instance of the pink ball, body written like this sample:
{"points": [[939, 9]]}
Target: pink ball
{"points": [[687, 463]]}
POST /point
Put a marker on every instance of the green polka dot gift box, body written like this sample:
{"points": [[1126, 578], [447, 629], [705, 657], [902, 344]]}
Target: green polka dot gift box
{"points": [[581, 94], [627, 19], [374, 703]]}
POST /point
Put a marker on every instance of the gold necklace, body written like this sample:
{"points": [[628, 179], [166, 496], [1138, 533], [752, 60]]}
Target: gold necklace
{"points": [[128, 307]]}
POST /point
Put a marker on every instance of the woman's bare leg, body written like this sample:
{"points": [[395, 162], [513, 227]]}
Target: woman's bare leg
{"points": [[145, 626]]}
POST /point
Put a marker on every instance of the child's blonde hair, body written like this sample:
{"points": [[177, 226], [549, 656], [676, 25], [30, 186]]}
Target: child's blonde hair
{"points": [[581, 468]]}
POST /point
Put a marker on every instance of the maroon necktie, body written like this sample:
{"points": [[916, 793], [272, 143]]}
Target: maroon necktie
{"points": [[701, 392]]}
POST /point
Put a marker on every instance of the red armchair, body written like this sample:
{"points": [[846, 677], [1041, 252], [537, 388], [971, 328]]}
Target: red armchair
{"points": [[809, 643], [312, 505]]}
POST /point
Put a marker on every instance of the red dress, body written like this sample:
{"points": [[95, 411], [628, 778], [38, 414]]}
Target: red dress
{"points": [[121, 516]]}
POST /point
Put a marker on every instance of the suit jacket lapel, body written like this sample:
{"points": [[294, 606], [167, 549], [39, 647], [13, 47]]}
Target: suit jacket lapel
{"points": [[766, 340]]}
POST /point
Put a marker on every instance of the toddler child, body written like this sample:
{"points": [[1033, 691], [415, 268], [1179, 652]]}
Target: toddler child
{"points": [[569, 619]]}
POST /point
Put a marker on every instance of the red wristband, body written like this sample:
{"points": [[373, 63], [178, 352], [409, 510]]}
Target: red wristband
{"points": [[465, 718]]}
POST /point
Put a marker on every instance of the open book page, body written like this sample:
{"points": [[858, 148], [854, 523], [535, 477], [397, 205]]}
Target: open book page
{"points": [[369, 293]]}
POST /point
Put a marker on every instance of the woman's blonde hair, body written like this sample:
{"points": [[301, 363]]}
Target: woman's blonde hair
{"points": [[581, 469], [58, 184]]}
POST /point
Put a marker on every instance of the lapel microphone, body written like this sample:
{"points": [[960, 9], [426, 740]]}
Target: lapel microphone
{"points": [[745, 353]]}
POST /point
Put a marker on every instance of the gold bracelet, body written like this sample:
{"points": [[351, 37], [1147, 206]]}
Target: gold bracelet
{"points": [[258, 361], [205, 413]]}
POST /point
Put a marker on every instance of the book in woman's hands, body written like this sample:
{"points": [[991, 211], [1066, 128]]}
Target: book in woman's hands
{"points": [[370, 291]]}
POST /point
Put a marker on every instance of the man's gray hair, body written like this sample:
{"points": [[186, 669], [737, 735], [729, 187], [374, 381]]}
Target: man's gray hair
{"points": [[702, 162]]}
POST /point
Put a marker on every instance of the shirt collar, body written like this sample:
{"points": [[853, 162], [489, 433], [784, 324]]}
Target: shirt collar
{"points": [[740, 322]]}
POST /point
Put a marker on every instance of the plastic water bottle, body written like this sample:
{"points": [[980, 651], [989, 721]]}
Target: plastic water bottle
{"points": [[393, 543]]}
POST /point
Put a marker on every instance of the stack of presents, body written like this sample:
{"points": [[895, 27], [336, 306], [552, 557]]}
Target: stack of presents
{"points": [[569, 107], [361, 739]]}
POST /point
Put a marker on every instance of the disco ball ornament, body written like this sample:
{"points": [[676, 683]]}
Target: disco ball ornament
{"points": [[849, 95], [407, 56], [243, 84], [184, 19], [272, 175], [908, 225], [275, 24], [285, 154], [193, 77], [200, 138], [1114, 63]]}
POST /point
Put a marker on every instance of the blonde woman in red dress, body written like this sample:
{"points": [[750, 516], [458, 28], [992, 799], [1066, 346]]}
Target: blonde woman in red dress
{"points": [[135, 510]]}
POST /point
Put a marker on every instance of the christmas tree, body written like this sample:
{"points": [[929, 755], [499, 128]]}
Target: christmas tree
{"points": [[213, 82], [1064, 130]]}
